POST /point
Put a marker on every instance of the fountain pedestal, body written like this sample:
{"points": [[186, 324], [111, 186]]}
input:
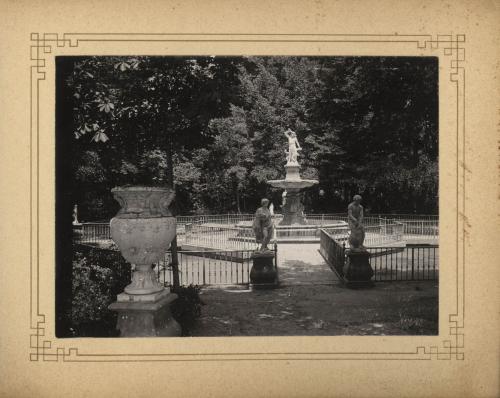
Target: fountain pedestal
{"points": [[293, 209]]}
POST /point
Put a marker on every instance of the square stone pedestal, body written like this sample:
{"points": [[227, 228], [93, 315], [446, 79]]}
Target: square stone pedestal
{"points": [[77, 230], [263, 273], [358, 271], [146, 315]]}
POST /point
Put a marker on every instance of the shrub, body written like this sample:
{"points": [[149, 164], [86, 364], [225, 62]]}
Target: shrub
{"points": [[98, 276], [186, 309]]}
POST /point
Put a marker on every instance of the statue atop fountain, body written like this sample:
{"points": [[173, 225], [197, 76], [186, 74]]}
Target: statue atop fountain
{"points": [[293, 209], [293, 147]]}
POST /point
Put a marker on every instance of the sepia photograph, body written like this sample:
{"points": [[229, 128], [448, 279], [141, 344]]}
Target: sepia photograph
{"points": [[249, 199], [205, 196]]}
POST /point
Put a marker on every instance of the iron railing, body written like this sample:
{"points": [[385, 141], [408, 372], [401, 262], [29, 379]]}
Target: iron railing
{"points": [[92, 233], [333, 251], [235, 218], [202, 268], [409, 263], [416, 230], [228, 237], [374, 234], [221, 231], [421, 228], [390, 263], [408, 217], [228, 219], [217, 236]]}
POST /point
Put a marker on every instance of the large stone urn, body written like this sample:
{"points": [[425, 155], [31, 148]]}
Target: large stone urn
{"points": [[143, 230]]}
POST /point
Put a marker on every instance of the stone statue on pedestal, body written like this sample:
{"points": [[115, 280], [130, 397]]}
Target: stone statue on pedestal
{"points": [[263, 225], [263, 272], [293, 147], [357, 269], [355, 220]]}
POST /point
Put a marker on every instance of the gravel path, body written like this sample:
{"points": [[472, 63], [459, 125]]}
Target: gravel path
{"points": [[311, 301]]}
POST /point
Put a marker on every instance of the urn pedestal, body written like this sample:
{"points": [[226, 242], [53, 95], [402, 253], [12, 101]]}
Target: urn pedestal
{"points": [[358, 271], [143, 230], [139, 317], [263, 273]]}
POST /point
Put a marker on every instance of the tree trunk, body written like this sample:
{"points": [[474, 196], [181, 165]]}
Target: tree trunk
{"points": [[170, 183]]}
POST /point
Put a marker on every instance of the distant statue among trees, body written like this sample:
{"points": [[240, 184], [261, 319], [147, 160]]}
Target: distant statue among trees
{"points": [[293, 146], [75, 215]]}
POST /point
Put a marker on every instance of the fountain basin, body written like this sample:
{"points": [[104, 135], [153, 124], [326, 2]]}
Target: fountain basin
{"points": [[295, 233], [289, 184]]}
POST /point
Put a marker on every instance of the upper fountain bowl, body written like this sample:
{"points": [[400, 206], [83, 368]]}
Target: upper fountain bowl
{"points": [[292, 183], [292, 179]]}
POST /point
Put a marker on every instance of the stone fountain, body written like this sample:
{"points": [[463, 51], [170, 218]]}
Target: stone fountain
{"points": [[293, 184], [294, 227]]}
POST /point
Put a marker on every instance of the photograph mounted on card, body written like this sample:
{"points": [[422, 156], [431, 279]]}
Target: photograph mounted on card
{"points": [[273, 190]]}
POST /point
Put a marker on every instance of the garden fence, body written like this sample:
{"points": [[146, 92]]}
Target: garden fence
{"points": [[222, 231], [389, 263], [202, 268]]}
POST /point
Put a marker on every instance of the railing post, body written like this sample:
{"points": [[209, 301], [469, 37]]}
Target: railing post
{"points": [[204, 277], [412, 263], [276, 259], [175, 263], [158, 271], [343, 256]]}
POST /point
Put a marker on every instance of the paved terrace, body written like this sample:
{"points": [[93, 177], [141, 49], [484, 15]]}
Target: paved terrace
{"points": [[312, 301]]}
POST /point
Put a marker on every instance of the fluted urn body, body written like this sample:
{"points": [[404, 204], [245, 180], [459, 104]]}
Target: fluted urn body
{"points": [[143, 230]]}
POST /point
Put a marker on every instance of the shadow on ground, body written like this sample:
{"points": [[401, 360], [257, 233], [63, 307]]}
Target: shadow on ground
{"points": [[311, 301]]}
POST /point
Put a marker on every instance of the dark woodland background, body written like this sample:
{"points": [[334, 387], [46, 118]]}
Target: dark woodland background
{"points": [[213, 126]]}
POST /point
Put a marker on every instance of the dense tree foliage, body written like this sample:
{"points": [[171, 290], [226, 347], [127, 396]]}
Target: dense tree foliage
{"points": [[214, 127]]}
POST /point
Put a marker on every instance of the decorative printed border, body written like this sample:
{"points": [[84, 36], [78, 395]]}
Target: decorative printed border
{"points": [[42, 349]]}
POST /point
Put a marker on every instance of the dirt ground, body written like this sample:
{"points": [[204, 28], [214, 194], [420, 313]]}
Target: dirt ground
{"points": [[311, 301]]}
